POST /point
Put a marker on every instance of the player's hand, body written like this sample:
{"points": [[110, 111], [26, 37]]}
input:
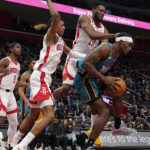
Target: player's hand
{"points": [[28, 85], [110, 82], [6, 72], [116, 35]]}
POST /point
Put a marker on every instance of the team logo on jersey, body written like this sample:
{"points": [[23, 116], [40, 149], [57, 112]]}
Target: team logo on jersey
{"points": [[60, 47], [44, 90], [14, 70]]}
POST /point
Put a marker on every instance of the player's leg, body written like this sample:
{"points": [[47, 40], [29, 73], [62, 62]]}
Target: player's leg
{"points": [[89, 93], [69, 72], [98, 107], [48, 116], [25, 125], [62, 91], [120, 129]]}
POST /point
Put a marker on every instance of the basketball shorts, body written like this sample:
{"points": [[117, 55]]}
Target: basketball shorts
{"points": [[40, 92], [87, 88], [69, 71], [8, 103]]}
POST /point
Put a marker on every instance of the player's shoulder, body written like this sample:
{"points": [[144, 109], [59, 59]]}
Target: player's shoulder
{"points": [[25, 75], [84, 18], [5, 60]]}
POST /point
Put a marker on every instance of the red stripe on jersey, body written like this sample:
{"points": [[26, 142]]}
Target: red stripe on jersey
{"points": [[77, 36], [45, 58], [66, 73], [13, 111], [1, 80], [43, 93], [2, 107]]}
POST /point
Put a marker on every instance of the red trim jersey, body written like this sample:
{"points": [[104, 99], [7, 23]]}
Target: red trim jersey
{"points": [[50, 56], [82, 42], [9, 81]]}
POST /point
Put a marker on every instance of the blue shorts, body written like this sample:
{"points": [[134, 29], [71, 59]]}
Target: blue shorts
{"points": [[87, 87]]}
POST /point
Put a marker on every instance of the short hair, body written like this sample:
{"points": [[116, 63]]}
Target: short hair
{"points": [[124, 34], [31, 59], [13, 44], [99, 3]]}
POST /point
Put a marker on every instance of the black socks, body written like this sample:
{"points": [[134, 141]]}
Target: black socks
{"points": [[117, 123]]}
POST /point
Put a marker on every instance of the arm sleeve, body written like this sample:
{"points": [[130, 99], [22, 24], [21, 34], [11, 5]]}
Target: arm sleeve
{"points": [[76, 55]]}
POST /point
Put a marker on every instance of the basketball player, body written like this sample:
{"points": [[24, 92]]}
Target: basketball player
{"points": [[25, 92], [102, 58], [9, 72], [41, 98], [90, 32]]}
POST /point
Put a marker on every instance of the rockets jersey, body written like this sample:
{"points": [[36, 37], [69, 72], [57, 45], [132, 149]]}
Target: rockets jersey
{"points": [[82, 42], [9, 81], [50, 56]]}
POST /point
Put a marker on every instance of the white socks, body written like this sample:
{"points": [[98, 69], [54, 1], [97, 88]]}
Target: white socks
{"points": [[12, 128], [16, 138], [28, 138]]}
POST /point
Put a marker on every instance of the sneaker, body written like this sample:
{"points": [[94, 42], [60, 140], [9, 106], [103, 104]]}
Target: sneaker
{"points": [[18, 147], [123, 131], [8, 147], [97, 141]]}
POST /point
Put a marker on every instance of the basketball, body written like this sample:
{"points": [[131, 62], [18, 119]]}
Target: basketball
{"points": [[118, 90]]}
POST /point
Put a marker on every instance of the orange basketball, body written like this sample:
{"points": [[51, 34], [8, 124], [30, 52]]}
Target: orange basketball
{"points": [[118, 90]]}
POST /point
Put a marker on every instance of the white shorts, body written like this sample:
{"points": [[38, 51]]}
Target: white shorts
{"points": [[40, 92], [8, 103], [69, 71]]}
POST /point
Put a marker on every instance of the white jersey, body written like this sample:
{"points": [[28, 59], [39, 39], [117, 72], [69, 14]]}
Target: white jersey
{"points": [[9, 81], [50, 56], [82, 42]]}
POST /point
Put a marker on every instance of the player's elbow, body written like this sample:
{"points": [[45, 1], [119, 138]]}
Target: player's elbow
{"points": [[56, 16]]}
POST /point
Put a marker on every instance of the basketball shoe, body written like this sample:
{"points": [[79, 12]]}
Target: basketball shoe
{"points": [[123, 130], [97, 141]]}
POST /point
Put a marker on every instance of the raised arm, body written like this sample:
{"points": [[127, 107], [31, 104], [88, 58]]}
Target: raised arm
{"points": [[85, 23], [51, 33]]}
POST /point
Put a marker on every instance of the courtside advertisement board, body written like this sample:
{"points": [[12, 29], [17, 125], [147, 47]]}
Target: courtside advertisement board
{"points": [[79, 11]]}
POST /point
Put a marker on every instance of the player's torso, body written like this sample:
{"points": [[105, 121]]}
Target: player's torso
{"points": [[50, 57], [82, 42], [10, 80]]}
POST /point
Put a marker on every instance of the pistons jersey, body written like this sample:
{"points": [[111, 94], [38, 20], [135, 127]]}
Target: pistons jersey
{"points": [[83, 43], [9, 81], [50, 56]]}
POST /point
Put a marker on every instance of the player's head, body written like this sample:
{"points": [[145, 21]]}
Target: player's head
{"points": [[98, 11], [31, 64], [60, 27], [15, 49], [125, 42]]}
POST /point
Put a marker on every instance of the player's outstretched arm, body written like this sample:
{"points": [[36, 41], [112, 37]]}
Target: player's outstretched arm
{"points": [[73, 54], [85, 23], [55, 20]]}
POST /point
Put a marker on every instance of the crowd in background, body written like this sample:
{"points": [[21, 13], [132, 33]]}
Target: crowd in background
{"points": [[72, 116]]}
